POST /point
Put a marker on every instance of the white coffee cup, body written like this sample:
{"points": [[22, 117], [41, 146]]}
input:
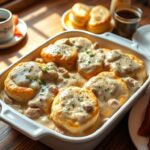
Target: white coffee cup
{"points": [[6, 25]]}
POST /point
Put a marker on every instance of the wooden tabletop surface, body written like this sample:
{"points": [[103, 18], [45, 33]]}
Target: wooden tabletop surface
{"points": [[44, 20]]}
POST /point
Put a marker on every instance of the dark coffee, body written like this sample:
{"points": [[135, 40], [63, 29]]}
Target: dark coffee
{"points": [[2, 19], [127, 20], [127, 14]]}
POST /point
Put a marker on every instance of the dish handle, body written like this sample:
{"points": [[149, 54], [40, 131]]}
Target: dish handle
{"points": [[21, 123], [120, 40]]}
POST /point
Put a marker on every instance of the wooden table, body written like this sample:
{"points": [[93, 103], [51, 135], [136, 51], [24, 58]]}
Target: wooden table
{"points": [[44, 20]]}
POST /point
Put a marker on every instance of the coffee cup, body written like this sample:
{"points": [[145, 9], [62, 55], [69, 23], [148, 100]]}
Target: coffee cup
{"points": [[6, 25]]}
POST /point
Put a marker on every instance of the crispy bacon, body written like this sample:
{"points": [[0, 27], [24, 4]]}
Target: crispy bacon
{"points": [[17, 32], [15, 19]]}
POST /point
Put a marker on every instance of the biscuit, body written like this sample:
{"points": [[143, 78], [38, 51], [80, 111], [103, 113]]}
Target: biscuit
{"points": [[62, 54], [22, 81], [81, 43], [111, 91], [79, 14], [124, 64], [107, 85], [99, 21], [90, 63], [75, 109]]}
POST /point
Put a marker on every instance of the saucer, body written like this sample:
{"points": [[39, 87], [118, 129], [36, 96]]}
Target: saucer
{"points": [[68, 26], [23, 28]]}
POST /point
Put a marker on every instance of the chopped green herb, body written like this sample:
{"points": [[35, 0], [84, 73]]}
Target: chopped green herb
{"points": [[89, 62], [45, 69], [42, 82], [30, 69], [92, 55], [29, 78]]}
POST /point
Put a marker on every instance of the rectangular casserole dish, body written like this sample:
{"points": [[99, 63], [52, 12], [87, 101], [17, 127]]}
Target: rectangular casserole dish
{"points": [[56, 140]]}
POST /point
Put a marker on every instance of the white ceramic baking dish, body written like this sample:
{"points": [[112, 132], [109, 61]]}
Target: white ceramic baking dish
{"points": [[56, 140]]}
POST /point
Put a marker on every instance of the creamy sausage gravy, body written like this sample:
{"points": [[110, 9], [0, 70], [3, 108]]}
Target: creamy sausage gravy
{"points": [[49, 78]]}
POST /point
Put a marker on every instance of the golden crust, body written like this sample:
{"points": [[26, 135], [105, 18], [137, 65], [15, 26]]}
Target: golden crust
{"points": [[90, 74], [17, 92], [110, 90], [109, 79], [99, 21], [79, 14], [141, 73], [76, 23], [20, 94], [100, 28], [138, 73], [64, 55], [66, 107]]}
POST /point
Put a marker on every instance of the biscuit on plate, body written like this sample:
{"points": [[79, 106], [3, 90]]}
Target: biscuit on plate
{"points": [[90, 63], [75, 109], [61, 54], [22, 81], [99, 21], [79, 14]]}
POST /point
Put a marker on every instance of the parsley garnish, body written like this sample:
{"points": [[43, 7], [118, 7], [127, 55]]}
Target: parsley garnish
{"points": [[45, 69], [42, 82]]}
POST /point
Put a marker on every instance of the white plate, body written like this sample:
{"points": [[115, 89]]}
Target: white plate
{"points": [[23, 28], [142, 37], [135, 120], [68, 26]]}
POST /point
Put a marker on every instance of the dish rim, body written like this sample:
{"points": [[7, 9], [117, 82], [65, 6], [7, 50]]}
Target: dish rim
{"points": [[103, 128]]}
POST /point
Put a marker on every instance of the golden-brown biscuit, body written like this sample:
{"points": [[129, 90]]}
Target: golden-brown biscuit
{"points": [[44, 97], [107, 85], [90, 63], [75, 109], [81, 43], [99, 21], [61, 54], [125, 64], [79, 14], [111, 91], [22, 81]]}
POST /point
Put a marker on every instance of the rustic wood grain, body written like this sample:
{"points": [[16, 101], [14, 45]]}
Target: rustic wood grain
{"points": [[44, 20]]}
